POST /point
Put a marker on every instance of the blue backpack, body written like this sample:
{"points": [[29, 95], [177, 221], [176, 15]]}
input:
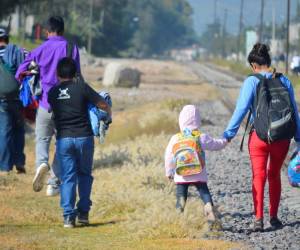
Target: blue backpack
{"points": [[100, 119], [294, 170]]}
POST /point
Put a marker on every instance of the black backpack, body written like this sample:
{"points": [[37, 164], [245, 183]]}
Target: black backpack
{"points": [[70, 47], [274, 113], [9, 87]]}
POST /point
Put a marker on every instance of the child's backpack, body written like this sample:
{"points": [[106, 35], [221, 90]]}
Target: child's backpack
{"points": [[188, 154], [274, 119], [294, 170]]}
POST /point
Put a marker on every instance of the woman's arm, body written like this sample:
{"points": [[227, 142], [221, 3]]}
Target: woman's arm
{"points": [[243, 105]]}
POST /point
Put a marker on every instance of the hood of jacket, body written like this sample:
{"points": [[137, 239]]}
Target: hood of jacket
{"points": [[189, 117]]}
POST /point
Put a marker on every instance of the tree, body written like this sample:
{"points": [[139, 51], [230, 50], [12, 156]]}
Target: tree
{"points": [[163, 25], [119, 27]]}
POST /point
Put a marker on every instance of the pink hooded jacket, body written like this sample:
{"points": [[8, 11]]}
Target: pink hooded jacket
{"points": [[189, 118]]}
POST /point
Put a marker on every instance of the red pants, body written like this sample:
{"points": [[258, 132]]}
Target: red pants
{"points": [[260, 152]]}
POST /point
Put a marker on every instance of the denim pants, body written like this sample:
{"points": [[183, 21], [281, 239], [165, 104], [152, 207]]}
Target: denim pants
{"points": [[44, 131], [75, 157], [182, 193], [12, 135]]}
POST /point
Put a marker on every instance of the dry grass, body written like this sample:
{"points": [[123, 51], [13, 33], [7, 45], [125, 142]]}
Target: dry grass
{"points": [[133, 203], [133, 206], [151, 118], [142, 196], [153, 71]]}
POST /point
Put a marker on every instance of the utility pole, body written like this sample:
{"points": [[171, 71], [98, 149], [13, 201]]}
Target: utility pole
{"points": [[273, 20], [90, 36], [224, 33], [74, 6], [240, 30], [287, 36], [260, 33]]}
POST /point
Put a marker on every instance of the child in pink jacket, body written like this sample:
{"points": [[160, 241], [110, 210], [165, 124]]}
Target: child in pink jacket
{"points": [[189, 123]]}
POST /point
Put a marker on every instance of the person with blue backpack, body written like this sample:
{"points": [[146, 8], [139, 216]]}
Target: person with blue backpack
{"points": [[12, 133], [46, 56], [273, 114]]}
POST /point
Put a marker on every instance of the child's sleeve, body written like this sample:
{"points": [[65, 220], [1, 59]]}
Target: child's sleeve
{"points": [[169, 158], [212, 144]]}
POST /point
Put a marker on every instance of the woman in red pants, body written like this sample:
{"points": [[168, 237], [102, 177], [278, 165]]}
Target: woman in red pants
{"points": [[268, 142]]}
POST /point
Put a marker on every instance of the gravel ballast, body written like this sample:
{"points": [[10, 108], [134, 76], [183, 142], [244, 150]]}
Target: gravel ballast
{"points": [[230, 183]]}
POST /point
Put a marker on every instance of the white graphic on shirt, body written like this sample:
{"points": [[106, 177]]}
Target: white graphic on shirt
{"points": [[63, 94]]}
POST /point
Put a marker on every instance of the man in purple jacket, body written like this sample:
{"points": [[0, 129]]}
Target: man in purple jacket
{"points": [[47, 56]]}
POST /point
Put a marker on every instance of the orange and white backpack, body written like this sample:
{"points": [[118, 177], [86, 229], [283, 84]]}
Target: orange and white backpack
{"points": [[189, 157]]}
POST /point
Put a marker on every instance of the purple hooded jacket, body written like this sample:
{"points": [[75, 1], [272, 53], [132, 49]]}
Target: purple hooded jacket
{"points": [[47, 56]]}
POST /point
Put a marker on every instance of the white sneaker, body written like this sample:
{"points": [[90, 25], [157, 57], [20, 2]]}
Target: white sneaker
{"points": [[40, 176], [52, 190]]}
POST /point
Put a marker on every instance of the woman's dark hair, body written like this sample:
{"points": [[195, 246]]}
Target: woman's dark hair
{"points": [[55, 24], [66, 68], [260, 55]]}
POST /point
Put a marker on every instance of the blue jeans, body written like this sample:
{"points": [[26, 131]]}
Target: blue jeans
{"points": [[182, 194], [75, 158], [12, 135]]}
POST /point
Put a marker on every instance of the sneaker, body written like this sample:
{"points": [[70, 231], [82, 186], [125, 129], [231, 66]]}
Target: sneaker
{"points": [[52, 190], [83, 219], [275, 223], [209, 212], [21, 169], [258, 225], [69, 222], [40, 176]]}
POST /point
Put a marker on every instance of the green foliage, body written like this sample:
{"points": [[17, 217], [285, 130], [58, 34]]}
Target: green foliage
{"points": [[162, 25], [218, 41], [119, 27]]}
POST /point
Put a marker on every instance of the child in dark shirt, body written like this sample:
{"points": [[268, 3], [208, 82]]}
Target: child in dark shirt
{"points": [[75, 144]]}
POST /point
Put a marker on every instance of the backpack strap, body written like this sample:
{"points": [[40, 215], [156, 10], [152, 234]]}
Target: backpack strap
{"points": [[260, 77], [247, 123], [70, 48]]}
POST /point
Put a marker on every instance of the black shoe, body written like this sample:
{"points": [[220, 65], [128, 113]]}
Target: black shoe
{"points": [[83, 219], [69, 222], [275, 223], [258, 225], [21, 169]]}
